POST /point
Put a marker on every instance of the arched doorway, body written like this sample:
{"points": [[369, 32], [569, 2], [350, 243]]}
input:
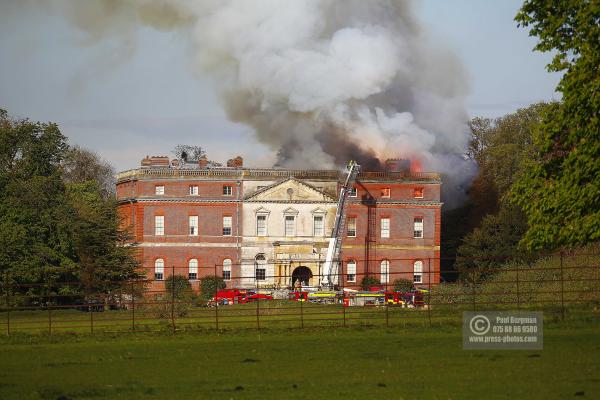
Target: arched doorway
{"points": [[303, 274]]}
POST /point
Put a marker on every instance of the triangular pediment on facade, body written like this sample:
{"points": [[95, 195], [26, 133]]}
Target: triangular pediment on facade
{"points": [[319, 210], [290, 190]]}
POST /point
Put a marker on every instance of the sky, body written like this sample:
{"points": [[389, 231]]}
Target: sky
{"points": [[127, 106]]}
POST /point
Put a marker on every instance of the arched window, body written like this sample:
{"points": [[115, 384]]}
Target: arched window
{"points": [[159, 269], [227, 269], [385, 271], [351, 271], [418, 271], [193, 269], [260, 267]]}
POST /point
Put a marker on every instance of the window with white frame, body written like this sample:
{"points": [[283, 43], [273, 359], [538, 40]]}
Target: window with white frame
{"points": [[193, 224], [159, 190], [193, 190], [385, 227], [227, 269], [351, 229], [351, 271], [385, 271], [352, 192], [261, 225], [159, 225], [290, 225], [159, 269], [418, 271], [418, 228], [318, 227], [227, 190], [418, 193], [227, 224], [386, 192], [260, 265], [193, 269]]}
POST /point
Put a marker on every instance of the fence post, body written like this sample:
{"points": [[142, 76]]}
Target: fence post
{"points": [[132, 307], [7, 303], [562, 286], [257, 307], [91, 311], [518, 294], [216, 301], [301, 299], [172, 297], [429, 291], [48, 307], [387, 304], [343, 278], [473, 289]]}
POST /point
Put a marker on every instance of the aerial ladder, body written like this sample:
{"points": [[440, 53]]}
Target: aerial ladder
{"points": [[331, 266]]}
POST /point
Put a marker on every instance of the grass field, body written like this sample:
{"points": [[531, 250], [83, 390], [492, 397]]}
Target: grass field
{"points": [[410, 362]]}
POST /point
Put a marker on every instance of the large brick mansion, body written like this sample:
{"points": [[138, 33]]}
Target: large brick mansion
{"points": [[270, 227]]}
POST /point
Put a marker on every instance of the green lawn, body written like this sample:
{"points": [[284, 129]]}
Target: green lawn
{"points": [[411, 362]]}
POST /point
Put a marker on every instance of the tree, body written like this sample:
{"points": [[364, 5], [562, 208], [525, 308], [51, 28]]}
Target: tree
{"points": [[494, 243], [501, 147], [369, 281], [209, 285], [81, 165], [560, 190], [403, 285], [54, 228]]}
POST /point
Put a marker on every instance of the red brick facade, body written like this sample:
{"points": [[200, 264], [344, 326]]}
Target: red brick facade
{"points": [[398, 197]]}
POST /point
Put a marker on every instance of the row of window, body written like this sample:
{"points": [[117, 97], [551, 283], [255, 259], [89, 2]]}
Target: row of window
{"points": [[159, 190], [385, 226], [384, 271], [387, 192], [260, 270], [289, 226], [159, 269]]}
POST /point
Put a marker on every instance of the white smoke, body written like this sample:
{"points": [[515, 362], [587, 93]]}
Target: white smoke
{"points": [[320, 81]]}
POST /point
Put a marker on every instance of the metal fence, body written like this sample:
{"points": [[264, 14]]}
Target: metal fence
{"points": [[562, 285]]}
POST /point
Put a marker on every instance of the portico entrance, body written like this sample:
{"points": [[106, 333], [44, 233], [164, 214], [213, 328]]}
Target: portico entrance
{"points": [[302, 273]]}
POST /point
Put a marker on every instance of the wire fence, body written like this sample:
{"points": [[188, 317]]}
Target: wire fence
{"points": [[281, 297]]}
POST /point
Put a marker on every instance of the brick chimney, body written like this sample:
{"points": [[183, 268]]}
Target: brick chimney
{"points": [[238, 162], [203, 162], [155, 161]]}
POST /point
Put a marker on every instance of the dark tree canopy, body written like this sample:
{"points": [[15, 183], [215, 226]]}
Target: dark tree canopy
{"points": [[56, 222], [560, 190]]}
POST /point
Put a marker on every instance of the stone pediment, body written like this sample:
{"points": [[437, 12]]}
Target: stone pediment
{"points": [[290, 190]]}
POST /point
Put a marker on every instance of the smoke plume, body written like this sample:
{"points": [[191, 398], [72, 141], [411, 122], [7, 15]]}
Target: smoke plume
{"points": [[319, 81]]}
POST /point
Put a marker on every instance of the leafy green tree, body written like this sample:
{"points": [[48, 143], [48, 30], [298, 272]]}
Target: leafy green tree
{"points": [[560, 189], [501, 147], [103, 251], [369, 281], [81, 166], [491, 245], [403, 285], [178, 285], [53, 229], [209, 285]]}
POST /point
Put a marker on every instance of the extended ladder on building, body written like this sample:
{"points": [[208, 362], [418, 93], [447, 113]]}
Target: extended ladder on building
{"points": [[331, 266]]}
